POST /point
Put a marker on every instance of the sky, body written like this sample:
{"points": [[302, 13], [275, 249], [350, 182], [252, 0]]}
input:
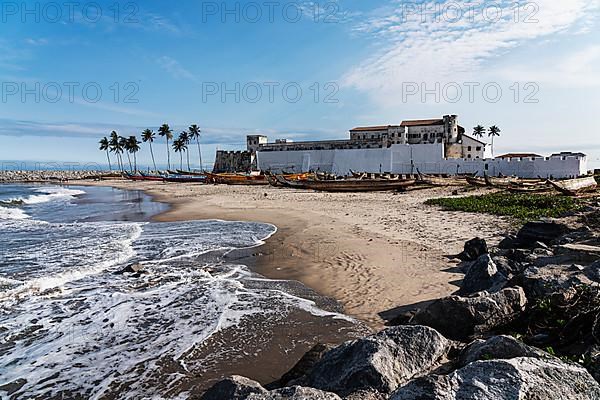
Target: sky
{"points": [[71, 72]]}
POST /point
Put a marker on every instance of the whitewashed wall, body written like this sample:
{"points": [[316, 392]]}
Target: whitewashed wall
{"points": [[407, 159]]}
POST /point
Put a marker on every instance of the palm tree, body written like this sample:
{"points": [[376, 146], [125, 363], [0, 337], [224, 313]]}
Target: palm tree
{"points": [[165, 131], [124, 143], [115, 147], [478, 131], [185, 138], [148, 135], [133, 146], [105, 146], [493, 131], [195, 134], [180, 146]]}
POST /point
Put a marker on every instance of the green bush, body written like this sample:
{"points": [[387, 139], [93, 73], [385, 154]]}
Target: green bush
{"points": [[523, 206]]}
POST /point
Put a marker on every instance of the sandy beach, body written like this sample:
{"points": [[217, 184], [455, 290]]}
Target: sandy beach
{"points": [[376, 253]]}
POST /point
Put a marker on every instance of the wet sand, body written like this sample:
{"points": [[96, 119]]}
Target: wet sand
{"points": [[375, 253]]}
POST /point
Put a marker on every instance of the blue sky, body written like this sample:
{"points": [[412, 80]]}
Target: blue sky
{"points": [[356, 63]]}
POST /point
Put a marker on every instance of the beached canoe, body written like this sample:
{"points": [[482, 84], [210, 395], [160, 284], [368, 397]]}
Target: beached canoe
{"points": [[574, 187], [501, 182], [350, 185], [237, 179], [185, 178], [152, 177], [441, 181], [539, 188], [476, 181]]}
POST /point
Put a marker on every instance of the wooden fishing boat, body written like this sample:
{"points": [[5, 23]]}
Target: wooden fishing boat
{"points": [[237, 179], [185, 178], [502, 182], [349, 185], [476, 181], [195, 173], [441, 181], [273, 181], [539, 188], [133, 177], [152, 177], [574, 187]]}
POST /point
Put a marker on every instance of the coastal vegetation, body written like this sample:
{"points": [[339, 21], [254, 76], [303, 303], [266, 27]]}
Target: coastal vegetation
{"points": [[117, 145], [525, 207]]}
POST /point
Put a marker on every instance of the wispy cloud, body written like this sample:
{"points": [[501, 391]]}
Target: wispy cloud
{"points": [[175, 69], [446, 46]]}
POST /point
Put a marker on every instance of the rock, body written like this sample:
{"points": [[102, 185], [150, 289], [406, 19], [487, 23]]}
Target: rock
{"points": [[549, 280], [508, 267], [509, 242], [593, 272], [461, 317], [234, 388], [303, 366], [545, 232], [380, 362], [295, 393], [592, 357], [474, 249], [482, 275], [498, 347], [514, 379], [132, 269]]}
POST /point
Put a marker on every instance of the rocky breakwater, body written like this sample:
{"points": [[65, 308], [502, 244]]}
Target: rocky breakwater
{"points": [[525, 324], [8, 176]]}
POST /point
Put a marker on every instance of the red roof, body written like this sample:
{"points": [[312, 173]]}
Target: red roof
{"points": [[423, 122]]}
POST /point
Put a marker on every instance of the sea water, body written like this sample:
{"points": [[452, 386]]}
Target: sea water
{"points": [[74, 325]]}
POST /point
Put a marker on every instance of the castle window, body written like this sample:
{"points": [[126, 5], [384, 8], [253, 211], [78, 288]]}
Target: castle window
{"points": [[478, 148], [469, 148], [469, 156]]}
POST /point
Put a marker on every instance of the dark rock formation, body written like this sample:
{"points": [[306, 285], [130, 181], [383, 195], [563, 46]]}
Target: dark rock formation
{"points": [[302, 367], [462, 317], [517, 378], [296, 393], [233, 388], [552, 280], [482, 275], [498, 347], [380, 362], [474, 249], [545, 232]]}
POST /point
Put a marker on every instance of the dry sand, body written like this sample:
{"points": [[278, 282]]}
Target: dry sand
{"points": [[373, 252]]}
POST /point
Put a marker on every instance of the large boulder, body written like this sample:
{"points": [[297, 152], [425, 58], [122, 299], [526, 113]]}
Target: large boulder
{"points": [[240, 388], [552, 280], [303, 366], [474, 249], [233, 388], [540, 231], [295, 393], [482, 275], [380, 362], [514, 379], [459, 317], [498, 347]]}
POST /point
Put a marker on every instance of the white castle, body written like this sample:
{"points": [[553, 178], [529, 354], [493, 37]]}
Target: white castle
{"points": [[432, 146]]}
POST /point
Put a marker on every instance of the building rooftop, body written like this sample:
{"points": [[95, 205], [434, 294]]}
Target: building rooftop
{"points": [[373, 128], [519, 155], [423, 122]]}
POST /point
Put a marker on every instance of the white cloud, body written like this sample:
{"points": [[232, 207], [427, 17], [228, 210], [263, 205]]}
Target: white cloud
{"points": [[176, 70], [438, 46]]}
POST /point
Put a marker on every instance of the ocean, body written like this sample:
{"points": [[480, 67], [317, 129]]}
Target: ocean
{"points": [[76, 322]]}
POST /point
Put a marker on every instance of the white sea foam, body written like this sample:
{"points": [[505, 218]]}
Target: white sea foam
{"points": [[7, 213], [51, 194]]}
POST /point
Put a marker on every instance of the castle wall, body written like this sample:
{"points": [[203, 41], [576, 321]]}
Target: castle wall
{"points": [[406, 159]]}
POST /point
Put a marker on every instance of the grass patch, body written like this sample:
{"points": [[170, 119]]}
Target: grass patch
{"points": [[523, 206]]}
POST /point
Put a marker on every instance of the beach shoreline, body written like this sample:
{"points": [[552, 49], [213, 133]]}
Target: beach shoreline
{"points": [[377, 254]]}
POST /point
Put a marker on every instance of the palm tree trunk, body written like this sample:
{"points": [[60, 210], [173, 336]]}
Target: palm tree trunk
{"points": [[492, 146], [187, 155], [129, 159], [180, 160], [108, 158], [168, 155], [152, 154], [199, 154], [135, 161]]}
